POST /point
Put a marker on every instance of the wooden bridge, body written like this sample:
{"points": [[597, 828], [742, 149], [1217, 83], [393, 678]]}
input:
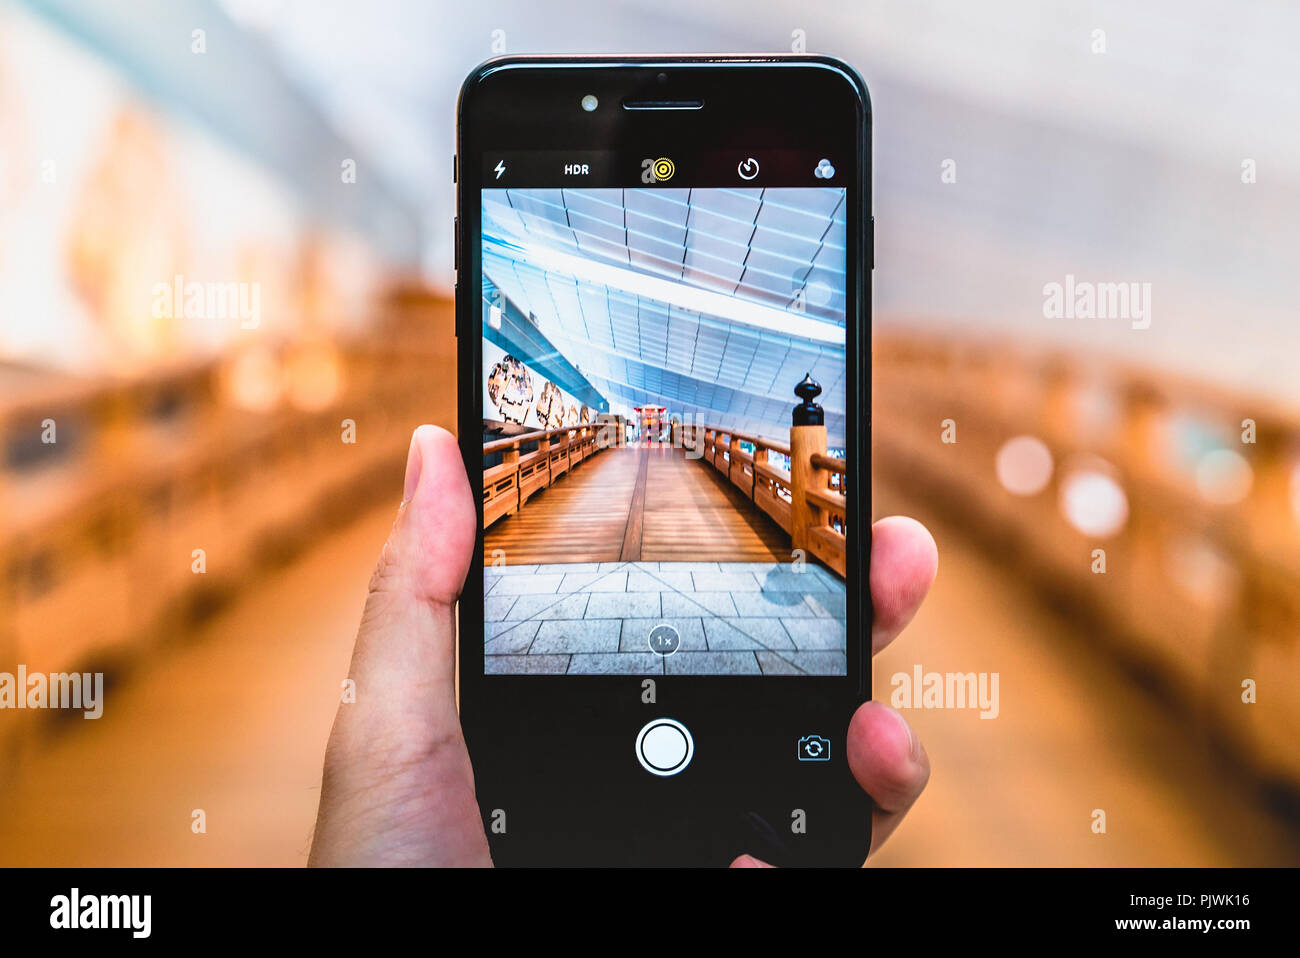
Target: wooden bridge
{"points": [[584, 494]]}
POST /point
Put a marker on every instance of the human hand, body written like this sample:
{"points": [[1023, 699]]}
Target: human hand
{"points": [[885, 755], [398, 788]]}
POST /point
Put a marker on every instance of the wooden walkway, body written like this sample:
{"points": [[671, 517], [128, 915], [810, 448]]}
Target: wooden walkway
{"points": [[640, 503]]}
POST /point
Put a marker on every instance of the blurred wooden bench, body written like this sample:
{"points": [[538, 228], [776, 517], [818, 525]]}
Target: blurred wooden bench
{"points": [[98, 529], [1199, 594]]}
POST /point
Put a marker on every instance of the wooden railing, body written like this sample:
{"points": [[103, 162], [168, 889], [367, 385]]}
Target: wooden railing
{"points": [[829, 498], [159, 496], [508, 485], [807, 502], [1196, 590]]}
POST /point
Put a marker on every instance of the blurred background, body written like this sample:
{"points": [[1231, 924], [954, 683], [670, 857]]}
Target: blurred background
{"points": [[195, 479]]}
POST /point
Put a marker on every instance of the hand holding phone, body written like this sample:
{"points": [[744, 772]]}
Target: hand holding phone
{"points": [[398, 788], [663, 315]]}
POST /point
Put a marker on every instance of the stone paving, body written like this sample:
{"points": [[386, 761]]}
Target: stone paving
{"points": [[730, 618]]}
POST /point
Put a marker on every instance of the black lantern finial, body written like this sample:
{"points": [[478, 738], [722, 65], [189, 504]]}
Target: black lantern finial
{"points": [[808, 413]]}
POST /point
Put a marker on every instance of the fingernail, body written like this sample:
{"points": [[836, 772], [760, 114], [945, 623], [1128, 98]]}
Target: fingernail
{"points": [[413, 465], [913, 743]]}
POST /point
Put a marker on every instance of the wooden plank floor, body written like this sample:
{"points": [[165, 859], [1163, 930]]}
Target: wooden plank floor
{"points": [[210, 723], [687, 512], [582, 518], [693, 514]]}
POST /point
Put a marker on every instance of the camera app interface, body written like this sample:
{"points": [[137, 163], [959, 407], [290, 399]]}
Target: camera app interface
{"points": [[664, 389]]}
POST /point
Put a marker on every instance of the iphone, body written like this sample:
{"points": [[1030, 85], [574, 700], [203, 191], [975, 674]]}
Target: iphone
{"points": [[663, 321]]}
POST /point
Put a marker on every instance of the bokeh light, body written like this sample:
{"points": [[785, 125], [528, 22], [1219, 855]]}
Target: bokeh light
{"points": [[253, 379], [1094, 502], [1224, 477], [313, 376], [1024, 466]]}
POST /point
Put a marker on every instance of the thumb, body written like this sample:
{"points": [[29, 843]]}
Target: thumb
{"points": [[405, 649], [397, 784], [428, 553]]}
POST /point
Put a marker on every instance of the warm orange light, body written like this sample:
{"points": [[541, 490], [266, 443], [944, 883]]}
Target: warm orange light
{"points": [[1094, 502], [1024, 466], [253, 379], [1224, 477], [313, 376]]}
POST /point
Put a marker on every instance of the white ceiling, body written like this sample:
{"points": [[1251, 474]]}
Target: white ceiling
{"points": [[1115, 166], [635, 323]]}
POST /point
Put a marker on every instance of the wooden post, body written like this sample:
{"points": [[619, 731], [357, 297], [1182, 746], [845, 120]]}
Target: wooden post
{"points": [[807, 436], [544, 447], [1139, 432], [733, 457], [1058, 422], [512, 455], [1139, 452]]}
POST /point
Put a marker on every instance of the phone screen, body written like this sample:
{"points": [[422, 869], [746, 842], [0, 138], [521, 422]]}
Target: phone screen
{"points": [[664, 388]]}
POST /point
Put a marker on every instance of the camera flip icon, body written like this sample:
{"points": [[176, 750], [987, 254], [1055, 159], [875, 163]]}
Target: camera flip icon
{"points": [[814, 748]]}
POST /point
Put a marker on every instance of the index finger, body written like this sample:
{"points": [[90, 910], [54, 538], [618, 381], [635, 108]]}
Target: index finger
{"points": [[904, 560]]}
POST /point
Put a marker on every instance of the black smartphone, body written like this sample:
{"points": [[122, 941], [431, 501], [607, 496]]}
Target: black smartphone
{"points": [[663, 314]]}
